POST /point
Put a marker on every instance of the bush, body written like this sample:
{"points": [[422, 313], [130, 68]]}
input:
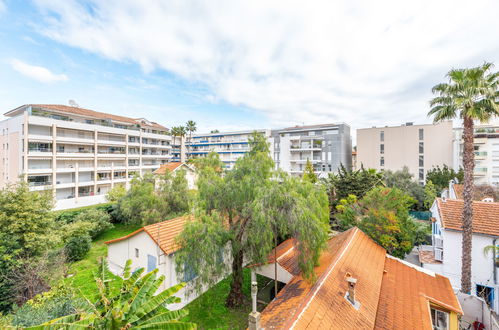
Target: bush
{"points": [[77, 247], [58, 302], [100, 220]]}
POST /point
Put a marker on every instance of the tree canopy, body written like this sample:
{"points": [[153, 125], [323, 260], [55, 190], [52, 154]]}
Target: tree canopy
{"points": [[403, 180], [309, 173], [440, 176], [243, 212], [383, 214]]}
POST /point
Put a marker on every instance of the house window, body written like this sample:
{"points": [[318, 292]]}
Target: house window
{"points": [[151, 263], [421, 174], [382, 161], [439, 319], [421, 147], [421, 134], [487, 293], [136, 253], [421, 161], [382, 136], [382, 148]]}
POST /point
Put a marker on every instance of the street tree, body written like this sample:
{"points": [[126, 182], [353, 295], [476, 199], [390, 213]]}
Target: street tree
{"points": [[243, 212]]}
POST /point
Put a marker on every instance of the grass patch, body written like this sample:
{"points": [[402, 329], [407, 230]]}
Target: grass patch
{"points": [[208, 311], [83, 271]]}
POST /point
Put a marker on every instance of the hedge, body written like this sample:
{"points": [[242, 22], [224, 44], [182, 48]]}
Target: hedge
{"points": [[68, 216]]}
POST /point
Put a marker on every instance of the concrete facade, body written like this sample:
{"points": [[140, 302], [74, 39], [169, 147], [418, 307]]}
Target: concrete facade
{"points": [[419, 147]]}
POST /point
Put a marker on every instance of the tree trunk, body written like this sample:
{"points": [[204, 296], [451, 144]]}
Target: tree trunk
{"points": [[469, 165], [236, 297]]}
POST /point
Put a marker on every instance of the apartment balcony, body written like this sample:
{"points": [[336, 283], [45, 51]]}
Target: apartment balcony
{"points": [[39, 170], [76, 154], [62, 184], [39, 137], [306, 137], [480, 171], [75, 140], [480, 155], [304, 161], [111, 154], [41, 119], [40, 152], [119, 180], [106, 142], [86, 183], [150, 166], [480, 140], [301, 149]]}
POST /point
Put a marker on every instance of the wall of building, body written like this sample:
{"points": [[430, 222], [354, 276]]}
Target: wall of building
{"points": [[11, 161], [401, 147]]}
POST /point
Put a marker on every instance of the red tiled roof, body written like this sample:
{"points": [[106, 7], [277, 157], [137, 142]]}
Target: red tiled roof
{"points": [[162, 233], [170, 167], [91, 113], [302, 304], [485, 216], [406, 293], [458, 190]]}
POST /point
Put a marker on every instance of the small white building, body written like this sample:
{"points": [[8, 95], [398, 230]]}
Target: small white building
{"points": [[150, 247], [175, 167], [445, 254]]}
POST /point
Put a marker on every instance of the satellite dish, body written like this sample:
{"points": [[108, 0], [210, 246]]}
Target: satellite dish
{"points": [[73, 103]]}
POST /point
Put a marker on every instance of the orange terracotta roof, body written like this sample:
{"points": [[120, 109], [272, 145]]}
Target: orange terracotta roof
{"points": [[428, 257], [91, 113], [287, 256], [170, 167], [305, 305], [458, 190], [162, 233], [485, 216], [406, 293]]}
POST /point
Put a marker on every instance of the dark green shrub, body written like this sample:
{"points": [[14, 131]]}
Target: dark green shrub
{"points": [[77, 247], [99, 218]]}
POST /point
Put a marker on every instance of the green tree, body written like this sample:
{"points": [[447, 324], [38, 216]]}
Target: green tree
{"points": [[383, 214], [430, 194], [115, 194], [190, 127], [27, 229], [134, 306], [471, 94], [141, 204], [173, 188], [403, 180], [309, 173], [345, 183], [243, 212], [440, 176]]}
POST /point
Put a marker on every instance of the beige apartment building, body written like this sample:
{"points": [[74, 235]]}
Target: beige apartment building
{"points": [[78, 154], [419, 147]]}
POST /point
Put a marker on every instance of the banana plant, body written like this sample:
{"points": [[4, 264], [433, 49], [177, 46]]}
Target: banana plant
{"points": [[135, 306]]}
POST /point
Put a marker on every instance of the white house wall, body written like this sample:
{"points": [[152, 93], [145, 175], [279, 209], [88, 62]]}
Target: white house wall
{"points": [[269, 271]]}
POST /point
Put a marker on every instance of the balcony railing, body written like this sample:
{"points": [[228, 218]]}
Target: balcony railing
{"points": [[481, 153], [40, 149], [439, 254], [439, 242], [39, 184]]}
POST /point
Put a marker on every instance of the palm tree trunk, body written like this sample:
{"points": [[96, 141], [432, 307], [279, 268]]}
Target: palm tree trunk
{"points": [[469, 165]]}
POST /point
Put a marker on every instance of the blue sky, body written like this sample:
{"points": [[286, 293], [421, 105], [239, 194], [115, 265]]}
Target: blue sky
{"points": [[233, 65]]}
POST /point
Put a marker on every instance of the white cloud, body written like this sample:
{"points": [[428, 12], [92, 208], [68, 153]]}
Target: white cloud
{"points": [[3, 7], [363, 62], [38, 73]]}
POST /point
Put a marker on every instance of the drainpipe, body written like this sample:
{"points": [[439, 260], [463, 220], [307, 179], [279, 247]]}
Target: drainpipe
{"points": [[494, 260]]}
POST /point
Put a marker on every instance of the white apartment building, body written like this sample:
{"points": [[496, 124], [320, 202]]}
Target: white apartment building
{"points": [[326, 146], [419, 147], [486, 144], [229, 145], [78, 154]]}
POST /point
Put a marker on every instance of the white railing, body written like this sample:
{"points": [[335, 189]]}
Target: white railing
{"points": [[439, 254], [438, 242]]}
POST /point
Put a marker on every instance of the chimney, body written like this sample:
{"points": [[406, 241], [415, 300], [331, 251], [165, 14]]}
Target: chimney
{"points": [[351, 289], [254, 317]]}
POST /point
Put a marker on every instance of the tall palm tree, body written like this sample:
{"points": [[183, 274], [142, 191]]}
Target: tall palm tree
{"points": [[471, 94], [191, 127]]}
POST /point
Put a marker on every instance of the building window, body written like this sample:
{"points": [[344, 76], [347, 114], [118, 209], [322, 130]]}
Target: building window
{"points": [[136, 253], [421, 147], [382, 161], [421, 174], [486, 293], [421, 134], [382, 136], [421, 161], [382, 148], [439, 319]]}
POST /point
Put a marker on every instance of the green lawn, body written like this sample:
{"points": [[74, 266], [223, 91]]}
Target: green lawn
{"points": [[208, 311], [83, 270]]}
